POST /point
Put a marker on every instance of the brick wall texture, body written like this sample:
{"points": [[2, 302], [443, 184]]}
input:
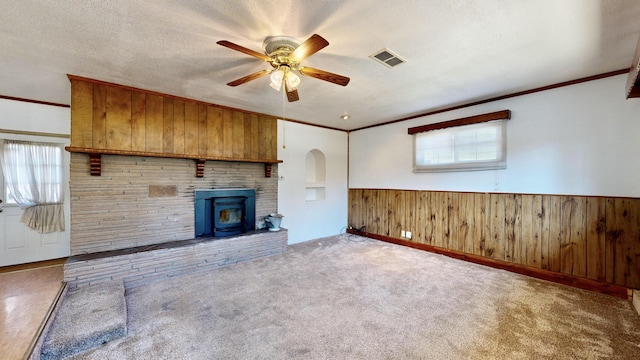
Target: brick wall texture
{"points": [[114, 211], [154, 265]]}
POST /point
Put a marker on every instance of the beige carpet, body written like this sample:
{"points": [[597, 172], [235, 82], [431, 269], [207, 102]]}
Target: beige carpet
{"points": [[354, 298]]}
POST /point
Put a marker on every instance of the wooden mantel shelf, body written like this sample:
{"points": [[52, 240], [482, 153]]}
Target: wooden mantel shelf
{"points": [[95, 156]]}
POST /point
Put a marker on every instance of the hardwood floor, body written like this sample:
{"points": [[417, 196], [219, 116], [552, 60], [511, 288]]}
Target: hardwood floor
{"points": [[27, 293]]}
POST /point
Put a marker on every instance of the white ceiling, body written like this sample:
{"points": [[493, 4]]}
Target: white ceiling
{"points": [[457, 51]]}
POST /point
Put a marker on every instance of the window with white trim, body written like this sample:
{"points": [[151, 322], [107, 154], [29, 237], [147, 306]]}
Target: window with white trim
{"points": [[477, 145]]}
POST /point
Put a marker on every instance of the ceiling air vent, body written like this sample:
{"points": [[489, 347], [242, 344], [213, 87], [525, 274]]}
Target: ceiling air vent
{"points": [[387, 58]]}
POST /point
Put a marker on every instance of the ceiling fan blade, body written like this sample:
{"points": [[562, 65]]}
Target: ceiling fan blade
{"points": [[291, 95], [311, 46], [325, 75], [243, 49], [249, 77]]}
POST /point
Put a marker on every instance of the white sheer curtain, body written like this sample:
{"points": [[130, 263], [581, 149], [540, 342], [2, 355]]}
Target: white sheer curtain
{"points": [[33, 177]]}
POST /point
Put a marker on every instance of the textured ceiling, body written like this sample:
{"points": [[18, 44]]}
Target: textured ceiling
{"points": [[457, 51]]}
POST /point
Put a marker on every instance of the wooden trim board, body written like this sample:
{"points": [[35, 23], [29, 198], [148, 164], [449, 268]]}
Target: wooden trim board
{"points": [[33, 101], [477, 119], [569, 280]]}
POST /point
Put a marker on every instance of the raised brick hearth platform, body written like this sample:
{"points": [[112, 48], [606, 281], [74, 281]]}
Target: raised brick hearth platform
{"points": [[144, 264]]}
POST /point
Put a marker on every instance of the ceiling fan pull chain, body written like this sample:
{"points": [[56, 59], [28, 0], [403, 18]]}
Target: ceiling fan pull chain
{"points": [[284, 118]]}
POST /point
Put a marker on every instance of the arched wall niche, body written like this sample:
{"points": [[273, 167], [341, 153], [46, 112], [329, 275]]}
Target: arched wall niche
{"points": [[316, 166], [316, 175]]}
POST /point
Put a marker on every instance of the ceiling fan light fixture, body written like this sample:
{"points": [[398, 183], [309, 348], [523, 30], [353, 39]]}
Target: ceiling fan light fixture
{"points": [[281, 74], [292, 80], [275, 86], [276, 79]]}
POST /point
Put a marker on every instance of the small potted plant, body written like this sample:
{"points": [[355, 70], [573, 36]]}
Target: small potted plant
{"points": [[273, 221]]}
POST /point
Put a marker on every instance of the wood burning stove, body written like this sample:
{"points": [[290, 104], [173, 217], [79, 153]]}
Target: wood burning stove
{"points": [[224, 212], [228, 216]]}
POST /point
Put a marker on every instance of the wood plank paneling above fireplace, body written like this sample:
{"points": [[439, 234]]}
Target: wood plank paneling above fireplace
{"points": [[114, 119]]}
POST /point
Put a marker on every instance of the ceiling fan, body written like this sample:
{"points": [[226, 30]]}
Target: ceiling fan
{"points": [[284, 54]]}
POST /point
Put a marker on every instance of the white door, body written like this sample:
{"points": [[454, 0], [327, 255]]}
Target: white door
{"points": [[18, 243]]}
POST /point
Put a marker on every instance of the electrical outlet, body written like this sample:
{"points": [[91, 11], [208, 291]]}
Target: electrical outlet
{"points": [[402, 233], [408, 234]]}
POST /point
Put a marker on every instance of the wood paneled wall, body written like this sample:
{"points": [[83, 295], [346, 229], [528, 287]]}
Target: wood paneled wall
{"points": [[590, 237], [112, 117]]}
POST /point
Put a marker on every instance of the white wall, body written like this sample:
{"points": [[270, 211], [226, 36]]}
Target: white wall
{"points": [[308, 220], [582, 139], [26, 116]]}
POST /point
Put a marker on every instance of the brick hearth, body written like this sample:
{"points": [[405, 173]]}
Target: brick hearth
{"points": [[144, 264]]}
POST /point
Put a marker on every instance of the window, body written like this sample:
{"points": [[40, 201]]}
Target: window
{"points": [[480, 145], [34, 180], [29, 161]]}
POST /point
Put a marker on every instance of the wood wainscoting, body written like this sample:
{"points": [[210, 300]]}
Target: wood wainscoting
{"points": [[586, 237]]}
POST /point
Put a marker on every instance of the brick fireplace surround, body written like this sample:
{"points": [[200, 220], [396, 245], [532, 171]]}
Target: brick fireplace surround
{"points": [[123, 227], [145, 264]]}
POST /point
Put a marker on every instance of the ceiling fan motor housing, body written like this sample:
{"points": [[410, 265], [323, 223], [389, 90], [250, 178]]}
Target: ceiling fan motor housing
{"points": [[279, 48]]}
